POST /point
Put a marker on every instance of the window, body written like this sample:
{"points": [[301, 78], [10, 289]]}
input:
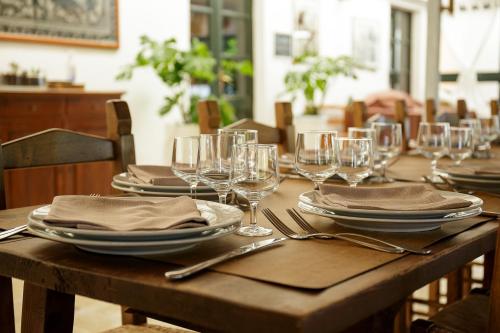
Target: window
{"points": [[225, 26], [400, 50]]}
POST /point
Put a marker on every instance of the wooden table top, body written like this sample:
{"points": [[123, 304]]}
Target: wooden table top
{"points": [[224, 302]]}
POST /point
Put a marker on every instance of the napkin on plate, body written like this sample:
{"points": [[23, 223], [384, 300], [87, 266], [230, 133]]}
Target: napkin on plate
{"points": [[154, 175], [392, 197], [124, 214]]}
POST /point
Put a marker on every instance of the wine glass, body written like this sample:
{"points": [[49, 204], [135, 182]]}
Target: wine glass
{"points": [[185, 160], [316, 155], [475, 126], [254, 175], [361, 133], [387, 144], [356, 159], [433, 142], [489, 130], [251, 136], [214, 161], [461, 144]]}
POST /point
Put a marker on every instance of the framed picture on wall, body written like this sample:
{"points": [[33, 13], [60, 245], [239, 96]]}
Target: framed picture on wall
{"points": [[366, 42], [76, 22]]}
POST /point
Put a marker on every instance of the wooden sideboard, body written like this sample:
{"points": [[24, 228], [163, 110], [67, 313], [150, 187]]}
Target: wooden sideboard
{"points": [[26, 111]]}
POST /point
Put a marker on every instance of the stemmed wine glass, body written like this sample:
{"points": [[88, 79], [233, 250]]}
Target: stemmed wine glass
{"points": [[387, 144], [254, 175], [214, 161], [251, 136], [489, 130], [316, 155], [185, 160], [356, 159], [475, 126], [433, 142], [461, 144]]}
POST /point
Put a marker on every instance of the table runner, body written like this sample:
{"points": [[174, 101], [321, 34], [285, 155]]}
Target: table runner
{"points": [[309, 264]]}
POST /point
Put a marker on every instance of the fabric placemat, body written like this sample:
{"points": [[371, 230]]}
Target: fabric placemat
{"points": [[309, 264]]}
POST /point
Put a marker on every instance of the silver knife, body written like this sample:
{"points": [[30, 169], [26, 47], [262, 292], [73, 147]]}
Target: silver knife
{"points": [[245, 249]]}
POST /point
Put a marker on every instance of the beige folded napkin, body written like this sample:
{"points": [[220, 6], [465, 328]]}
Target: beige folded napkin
{"points": [[124, 214], [392, 197], [154, 175]]}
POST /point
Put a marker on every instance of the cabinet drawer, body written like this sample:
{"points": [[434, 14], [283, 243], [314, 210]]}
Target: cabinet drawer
{"points": [[86, 113], [42, 112]]}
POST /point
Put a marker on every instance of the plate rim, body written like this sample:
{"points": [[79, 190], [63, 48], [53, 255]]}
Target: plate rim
{"points": [[158, 193]]}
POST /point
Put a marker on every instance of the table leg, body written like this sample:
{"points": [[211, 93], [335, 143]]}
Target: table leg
{"points": [[46, 310], [129, 317], [489, 261], [6, 305], [381, 322]]}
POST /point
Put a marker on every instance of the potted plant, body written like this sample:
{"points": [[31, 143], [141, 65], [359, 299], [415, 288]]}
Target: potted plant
{"points": [[311, 76], [184, 70]]}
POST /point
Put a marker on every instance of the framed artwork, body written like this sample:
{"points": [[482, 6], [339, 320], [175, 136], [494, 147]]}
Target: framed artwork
{"points": [[366, 42], [305, 35], [282, 45], [91, 23]]}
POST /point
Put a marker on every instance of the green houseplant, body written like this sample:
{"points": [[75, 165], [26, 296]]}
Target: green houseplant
{"points": [[311, 76], [179, 69]]}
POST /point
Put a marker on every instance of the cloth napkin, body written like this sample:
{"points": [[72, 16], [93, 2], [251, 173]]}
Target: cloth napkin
{"points": [[124, 214], [392, 197], [154, 175]]}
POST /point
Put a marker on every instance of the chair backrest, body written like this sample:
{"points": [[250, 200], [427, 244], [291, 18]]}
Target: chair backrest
{"points": [[283, 134], [494, 107], [430, 110], [461, 109], [59, 146], [494, 318]]}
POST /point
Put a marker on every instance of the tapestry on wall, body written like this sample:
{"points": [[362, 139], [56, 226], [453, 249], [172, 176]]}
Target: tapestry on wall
{"points": [[92, 23]]}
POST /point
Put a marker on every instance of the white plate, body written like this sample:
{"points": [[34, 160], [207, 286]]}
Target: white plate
{"points": [[309, 199], [491, 182], [122, 179], [389, 225], [137, 190], [119, 246], [218, 216], [470, 176]]}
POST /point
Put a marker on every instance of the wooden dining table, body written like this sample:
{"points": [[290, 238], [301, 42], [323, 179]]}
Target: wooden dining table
{"points": [[219, 300]]}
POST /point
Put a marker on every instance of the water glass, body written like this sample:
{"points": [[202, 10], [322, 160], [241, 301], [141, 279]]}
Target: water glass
{"points": [[475, 126], [255, 175], [461, 144], [356, 159], [185, 160], [387, 144], [316, 155], [214, 161], [433, 140], [489, 129], [251, 135]]}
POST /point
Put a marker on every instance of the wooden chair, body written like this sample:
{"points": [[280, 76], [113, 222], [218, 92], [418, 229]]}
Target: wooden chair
{"points": [[360, 117], [283, 134], [57, 147], [430, 110], [494, 107], [477, 312]]}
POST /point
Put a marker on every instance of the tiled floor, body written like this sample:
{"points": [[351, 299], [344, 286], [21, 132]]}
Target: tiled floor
{"points": [[91, 316]]}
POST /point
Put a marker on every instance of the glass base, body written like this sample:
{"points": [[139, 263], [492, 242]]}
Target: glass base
{"points": [[254, 231], [380, 180], [435, 179]]}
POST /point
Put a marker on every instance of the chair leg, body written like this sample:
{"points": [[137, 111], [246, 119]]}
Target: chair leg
{"points": [[46, 310], [489, 260], [455, 286], [434, 295], [131, 318], [6, 305]]}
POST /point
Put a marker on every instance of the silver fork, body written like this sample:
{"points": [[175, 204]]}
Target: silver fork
{"points": [[14, 231], [283, 228], [309, 228]]}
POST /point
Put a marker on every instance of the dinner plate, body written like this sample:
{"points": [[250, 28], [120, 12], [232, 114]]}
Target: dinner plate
{"points": [[140, 242], [204, 195], [309, 198], [455, 172], [123, 180], [478, 181], [389, 225], [219, 216]]}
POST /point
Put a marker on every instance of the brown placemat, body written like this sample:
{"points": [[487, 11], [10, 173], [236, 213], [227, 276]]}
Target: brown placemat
{"points": [[309, 264]]}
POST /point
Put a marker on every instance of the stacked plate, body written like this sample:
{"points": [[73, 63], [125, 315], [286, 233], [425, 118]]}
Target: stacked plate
{"points": [[468, 178], [223, 220], [123, 183], [390, 220]]}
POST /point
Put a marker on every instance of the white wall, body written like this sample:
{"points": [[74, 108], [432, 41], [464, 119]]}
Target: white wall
{"points": [[159, 19]]}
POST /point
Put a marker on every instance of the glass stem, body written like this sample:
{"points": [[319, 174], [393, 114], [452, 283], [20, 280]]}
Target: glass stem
{"points": [[253, 213], [383, 168], [433, 166], [192, 189], [222, 197], [316, 185]]}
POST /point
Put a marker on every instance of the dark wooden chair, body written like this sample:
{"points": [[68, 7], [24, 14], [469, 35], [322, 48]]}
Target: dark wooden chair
{"points": [[57, 147], [283, 134], [477, 312]]}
